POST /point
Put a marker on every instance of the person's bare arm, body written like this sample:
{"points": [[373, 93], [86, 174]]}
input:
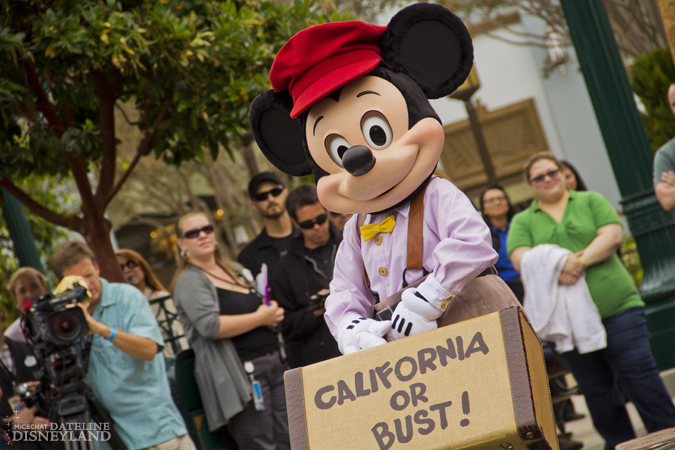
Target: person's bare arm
{"points": [[571, 271], [665, 190], [136, 346], [516, 256], [231, 326], [605, 244]]}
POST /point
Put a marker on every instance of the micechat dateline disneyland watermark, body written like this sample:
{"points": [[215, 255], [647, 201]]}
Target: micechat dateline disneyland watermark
{"points": [[63, 432]]}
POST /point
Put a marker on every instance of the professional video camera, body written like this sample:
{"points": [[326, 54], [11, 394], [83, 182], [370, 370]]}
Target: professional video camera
{"points": [[52, 325]]}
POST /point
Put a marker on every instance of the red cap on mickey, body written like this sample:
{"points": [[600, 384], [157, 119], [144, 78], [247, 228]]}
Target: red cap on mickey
{"points": [[320, 59]]}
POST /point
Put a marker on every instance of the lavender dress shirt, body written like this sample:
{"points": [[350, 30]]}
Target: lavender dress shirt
{"points": [[457, 247]]}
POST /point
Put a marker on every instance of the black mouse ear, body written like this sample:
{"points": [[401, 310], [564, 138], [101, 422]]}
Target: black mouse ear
{"points": [[431, 45], [279, 137]]}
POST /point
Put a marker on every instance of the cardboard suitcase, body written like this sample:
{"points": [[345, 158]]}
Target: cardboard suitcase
{"points": [[478, 384]]}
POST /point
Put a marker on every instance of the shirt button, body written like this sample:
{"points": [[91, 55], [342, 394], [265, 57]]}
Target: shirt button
{"points": [[443, 305], [378, 240], [383, 271]]}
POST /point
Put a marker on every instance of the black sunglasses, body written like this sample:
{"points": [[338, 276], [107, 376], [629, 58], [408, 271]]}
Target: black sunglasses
{"points": [[191, 234], [308, 224], [262, 196], [540, 179], [130, 264]]}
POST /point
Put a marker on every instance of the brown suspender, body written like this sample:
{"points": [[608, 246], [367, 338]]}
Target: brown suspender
{"points": [[415, 245], [415, 232]]}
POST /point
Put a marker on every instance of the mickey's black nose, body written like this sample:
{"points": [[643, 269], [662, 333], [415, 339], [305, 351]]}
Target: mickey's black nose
{"points": [[358, 160]]}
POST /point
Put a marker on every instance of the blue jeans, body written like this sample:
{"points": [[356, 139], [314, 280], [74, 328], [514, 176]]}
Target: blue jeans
{"points": [[627, 361]]}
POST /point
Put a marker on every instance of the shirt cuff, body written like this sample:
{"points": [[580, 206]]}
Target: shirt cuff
{"points": [[432, 290]]}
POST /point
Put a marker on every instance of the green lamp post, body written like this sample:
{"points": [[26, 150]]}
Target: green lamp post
{"points": [[631, 158]]}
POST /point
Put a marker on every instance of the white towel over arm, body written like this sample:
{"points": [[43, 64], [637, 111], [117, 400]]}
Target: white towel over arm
{"points": [[562, 314]]}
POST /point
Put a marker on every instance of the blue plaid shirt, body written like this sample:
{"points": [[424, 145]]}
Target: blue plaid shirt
{"points": [[135, 392]]}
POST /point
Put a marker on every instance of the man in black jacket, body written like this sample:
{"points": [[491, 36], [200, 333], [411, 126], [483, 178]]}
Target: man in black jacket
{"points": [[268, 196], [301, 279]]}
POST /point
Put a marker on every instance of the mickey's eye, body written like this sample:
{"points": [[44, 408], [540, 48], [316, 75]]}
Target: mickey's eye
{"points": [[337, 146], [376, 130]]}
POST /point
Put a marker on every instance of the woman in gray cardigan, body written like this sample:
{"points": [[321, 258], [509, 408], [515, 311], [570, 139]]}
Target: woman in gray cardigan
{"points": [[237, 365]]}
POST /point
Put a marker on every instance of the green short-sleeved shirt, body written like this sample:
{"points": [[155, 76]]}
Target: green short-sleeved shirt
{"points": [[611, 286], [664, 160]]}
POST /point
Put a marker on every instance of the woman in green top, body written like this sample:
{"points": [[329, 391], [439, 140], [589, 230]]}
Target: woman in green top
{"points": [[586, 224]]}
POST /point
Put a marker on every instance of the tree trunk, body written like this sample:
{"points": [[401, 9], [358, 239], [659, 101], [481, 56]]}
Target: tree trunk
{"points": [[99, 241], [668, 15]]}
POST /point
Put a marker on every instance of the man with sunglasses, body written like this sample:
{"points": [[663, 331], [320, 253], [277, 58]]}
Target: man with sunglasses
{"points": [[301, 279], [268, 195]]}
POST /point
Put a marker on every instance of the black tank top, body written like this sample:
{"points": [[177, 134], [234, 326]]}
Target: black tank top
{"points": [[257, 342]]}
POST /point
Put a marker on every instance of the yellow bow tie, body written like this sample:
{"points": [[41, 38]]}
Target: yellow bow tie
{"points": [[371, 230]]}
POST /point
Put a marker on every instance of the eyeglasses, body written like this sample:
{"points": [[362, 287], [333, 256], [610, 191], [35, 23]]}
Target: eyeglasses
{"points": [[494, 200], [309, 224], [551, 174], [191, 234], [262, 196], [131, 264]]}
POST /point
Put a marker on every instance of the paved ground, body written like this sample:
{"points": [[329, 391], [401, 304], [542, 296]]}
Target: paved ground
{"points": [[583, 430]]}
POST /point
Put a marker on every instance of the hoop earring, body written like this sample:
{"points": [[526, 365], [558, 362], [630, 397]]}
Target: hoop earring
{"points": [[184, 253]]}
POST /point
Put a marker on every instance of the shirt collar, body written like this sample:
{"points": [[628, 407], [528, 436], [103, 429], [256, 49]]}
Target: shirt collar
{"points": [[535, 204], [105, 300], [404, 210]]}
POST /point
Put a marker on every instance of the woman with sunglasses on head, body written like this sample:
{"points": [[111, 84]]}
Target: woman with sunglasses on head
{"points": [[587, 225], [137, 272], [229, 327], [497, 212]]}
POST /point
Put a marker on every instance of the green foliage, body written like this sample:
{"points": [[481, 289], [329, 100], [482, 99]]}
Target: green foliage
{"points": [[189, 67], [631, 259], [204, 60], [650, 77]]}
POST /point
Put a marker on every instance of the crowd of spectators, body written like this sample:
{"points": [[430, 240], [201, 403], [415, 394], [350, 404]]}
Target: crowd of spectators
{"points": [[249, 321]]}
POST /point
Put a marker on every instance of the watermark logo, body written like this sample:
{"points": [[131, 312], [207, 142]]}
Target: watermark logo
{"points": [[60, 432]]}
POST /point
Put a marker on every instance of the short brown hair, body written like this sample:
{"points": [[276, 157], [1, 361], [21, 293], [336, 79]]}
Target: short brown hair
{"points": [[23, 273], [68, 254], [538, 157], [303, 195]]}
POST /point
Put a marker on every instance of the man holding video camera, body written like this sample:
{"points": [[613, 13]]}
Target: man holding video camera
{"points": [[122, 354], [301, 279]]}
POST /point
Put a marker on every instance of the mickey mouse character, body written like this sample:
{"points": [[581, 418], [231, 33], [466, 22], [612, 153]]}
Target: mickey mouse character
{"points": [[350, 105]]}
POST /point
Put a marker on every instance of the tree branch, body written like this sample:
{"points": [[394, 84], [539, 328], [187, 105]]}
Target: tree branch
{"points": [[71, 222], [142, 147], [43, 104], [78, 167], [124, 114]]}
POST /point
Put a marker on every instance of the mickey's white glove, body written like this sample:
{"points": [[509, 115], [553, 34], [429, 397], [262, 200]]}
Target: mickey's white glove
{"points": [[357, 333], [418, 310]]}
